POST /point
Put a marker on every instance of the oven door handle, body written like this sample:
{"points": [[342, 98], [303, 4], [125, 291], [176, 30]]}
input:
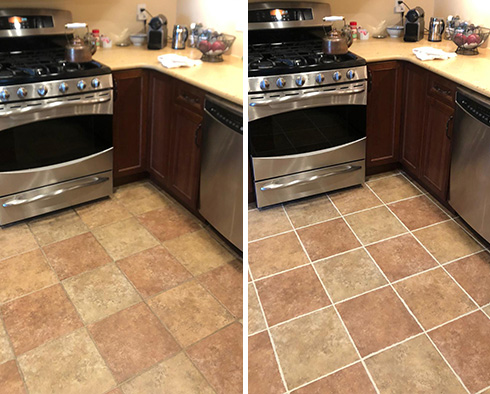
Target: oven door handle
{"points": [[297, 182], [90, 182], [307, 96], [55, 104]]}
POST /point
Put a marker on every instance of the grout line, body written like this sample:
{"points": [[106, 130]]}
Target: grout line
{"points": [[270, 236], [331, 301]]}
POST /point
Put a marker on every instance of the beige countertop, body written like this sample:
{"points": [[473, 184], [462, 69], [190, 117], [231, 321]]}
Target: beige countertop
{"points": [[224, 79], [470, 71]]}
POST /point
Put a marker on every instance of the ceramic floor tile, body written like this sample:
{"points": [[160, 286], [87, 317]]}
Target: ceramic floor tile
{"points": [[393, 188], [434, 298], [69, 365], [10, 380], [401, 256], [418, 212], [153, 271], [312, 346], [447, 241], [352, 380], [349, 274], [99, 293], [190, 312], [220, 359], [255, 318], [132, 340], [174, 376], [382, 175], [487, 310], [473, 274], [76, 255], [310, 210], [291, 294], [38, 318], [327, 239], [266, 222], [124, 238], [414, 367], [375, 225], [263, 372], [57, 226], [377, 320], [465, 345], [354, 199], [169, 223], [24, 274], [141, 197], [16, 239], [275, 254], [226, 284], [102, 212], [6, 352], [198, 252]]}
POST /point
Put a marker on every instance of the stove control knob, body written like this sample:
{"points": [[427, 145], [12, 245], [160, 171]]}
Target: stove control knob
{"points": [[320, 78], [281, 82], [81, 85], [63, 87], [336, 76], [300, 80], [4, 95], [42, 90], [351, 74], [22, 93], [264, 84], [95, 83]]}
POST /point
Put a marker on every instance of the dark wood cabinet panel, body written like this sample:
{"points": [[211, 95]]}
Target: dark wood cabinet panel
{"points": [[130, 122], [436, 147], [160, 124], [414, 103], [383, 113]]}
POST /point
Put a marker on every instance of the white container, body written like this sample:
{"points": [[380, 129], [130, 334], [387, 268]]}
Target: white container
{"points": [[395, 31], [137, 39]]}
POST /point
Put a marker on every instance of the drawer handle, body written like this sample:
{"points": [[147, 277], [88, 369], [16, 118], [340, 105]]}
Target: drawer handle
{"points": [[447, 127], [196, 135], [190, 99], [442, 91]]}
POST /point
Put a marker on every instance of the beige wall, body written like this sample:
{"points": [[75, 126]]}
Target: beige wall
{"points": [[478, 11], [224, 16]]}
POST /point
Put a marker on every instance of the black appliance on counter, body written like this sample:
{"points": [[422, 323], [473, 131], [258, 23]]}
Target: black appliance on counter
{"points": [[55, 118], [158, 32], [414, 25], [307, 110]]}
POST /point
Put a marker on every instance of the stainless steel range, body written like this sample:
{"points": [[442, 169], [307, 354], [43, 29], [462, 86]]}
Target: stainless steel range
{"points": [[55, 118], [307, 110]]}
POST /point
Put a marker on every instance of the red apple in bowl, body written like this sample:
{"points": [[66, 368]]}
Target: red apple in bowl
{"points": [[473, 39], [459, 39], [218, 46], [204, 46]]}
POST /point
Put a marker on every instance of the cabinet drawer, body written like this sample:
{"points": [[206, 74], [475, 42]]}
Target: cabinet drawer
{"points": [[189, 96], [442, 89]]}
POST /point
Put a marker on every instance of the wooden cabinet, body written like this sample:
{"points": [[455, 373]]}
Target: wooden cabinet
{"points": [[383, 113], [130, 124]]}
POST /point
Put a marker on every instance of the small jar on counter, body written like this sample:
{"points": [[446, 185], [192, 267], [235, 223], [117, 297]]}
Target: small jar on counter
{"points": [[96, 36], [353, 28]]}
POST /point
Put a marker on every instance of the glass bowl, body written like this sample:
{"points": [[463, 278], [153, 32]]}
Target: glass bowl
{"points": [[468, 39], [213, 47]]}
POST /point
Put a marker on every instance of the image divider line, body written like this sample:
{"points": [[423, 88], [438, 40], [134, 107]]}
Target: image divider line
{"points": [[333, 304]]}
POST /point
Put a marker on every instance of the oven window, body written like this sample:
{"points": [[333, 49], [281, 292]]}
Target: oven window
{"points": [[54, 141], [307, 130]]}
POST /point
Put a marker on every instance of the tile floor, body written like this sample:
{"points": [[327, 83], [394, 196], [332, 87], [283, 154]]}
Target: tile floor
{"points": [[373, 289], [130, 294]]}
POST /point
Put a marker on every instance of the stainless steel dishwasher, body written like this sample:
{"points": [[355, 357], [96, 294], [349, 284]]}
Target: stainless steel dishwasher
{"points": [[221, 192], [469, 190]]}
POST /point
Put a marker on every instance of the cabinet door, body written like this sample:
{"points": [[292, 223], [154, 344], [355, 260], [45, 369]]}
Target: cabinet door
{"points": [[436, 148], [186, 155], [130, 120], [383, 113], [414, 104], [160, 127]]}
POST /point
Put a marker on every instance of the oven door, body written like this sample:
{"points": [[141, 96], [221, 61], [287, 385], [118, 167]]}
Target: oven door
{"points": [[44, 142]]}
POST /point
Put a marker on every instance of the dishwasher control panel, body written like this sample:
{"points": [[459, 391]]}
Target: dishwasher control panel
{"points": [[475, 109]]}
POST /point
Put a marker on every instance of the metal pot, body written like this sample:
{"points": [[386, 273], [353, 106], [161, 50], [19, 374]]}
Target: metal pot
{"points": [[79, 50], [337, 42]]}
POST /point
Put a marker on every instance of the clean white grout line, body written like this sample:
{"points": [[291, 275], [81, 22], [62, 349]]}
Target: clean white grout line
{"points": [[331, 301], [270, 236]]}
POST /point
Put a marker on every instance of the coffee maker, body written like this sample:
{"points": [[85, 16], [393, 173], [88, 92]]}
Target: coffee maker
{"points": [[414, 25], [157, 32]]}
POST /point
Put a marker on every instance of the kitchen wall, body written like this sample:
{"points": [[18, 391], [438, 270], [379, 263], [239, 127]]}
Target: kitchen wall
{"points": [[478, 11], [224, 16], [109, 16]]}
